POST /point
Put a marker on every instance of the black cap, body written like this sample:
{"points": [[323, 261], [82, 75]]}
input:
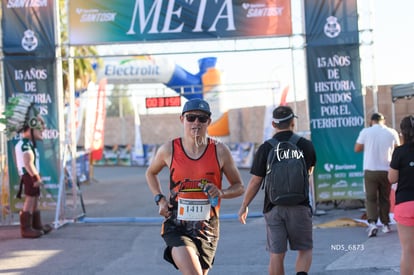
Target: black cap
{"points": [[197, 104], [283, 113], [377, 117]]}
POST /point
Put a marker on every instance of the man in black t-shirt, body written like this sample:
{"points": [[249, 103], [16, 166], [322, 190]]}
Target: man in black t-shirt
{"points": [[284, 224]]}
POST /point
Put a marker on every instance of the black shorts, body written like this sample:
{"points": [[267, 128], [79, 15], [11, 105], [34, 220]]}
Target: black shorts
{"points": [[29, 189], [174, 236]]}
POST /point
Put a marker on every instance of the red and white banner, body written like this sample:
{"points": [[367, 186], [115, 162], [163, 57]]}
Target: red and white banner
{"points": [[95, 141]]}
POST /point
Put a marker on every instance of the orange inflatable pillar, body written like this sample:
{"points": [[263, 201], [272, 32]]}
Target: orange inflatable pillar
{"points": [[211, 80], [283, 101], [220, 127]]}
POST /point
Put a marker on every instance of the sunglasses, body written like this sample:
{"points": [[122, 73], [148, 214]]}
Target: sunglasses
{"points": [[201, 118]]}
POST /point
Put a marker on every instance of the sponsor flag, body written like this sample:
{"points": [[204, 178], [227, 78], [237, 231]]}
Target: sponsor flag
{"points": [[28, 28], [35, 79], [335, 97], [97, 144]]}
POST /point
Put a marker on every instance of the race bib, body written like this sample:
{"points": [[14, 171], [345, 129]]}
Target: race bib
{"points": [[193, 206]]}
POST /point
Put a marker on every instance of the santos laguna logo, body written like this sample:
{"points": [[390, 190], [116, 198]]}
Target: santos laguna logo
{"points": [[29, 41], [332, 28]]}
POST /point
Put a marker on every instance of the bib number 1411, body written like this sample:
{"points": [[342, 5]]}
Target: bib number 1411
{"points": [[193, 209]]}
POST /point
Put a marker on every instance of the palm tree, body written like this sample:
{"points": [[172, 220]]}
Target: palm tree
{"points": [[119, 104]]}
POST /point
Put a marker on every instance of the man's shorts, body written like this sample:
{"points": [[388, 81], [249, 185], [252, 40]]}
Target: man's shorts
{"points": [[29, 189], [174, 237], [291, 224], [404, 213]]}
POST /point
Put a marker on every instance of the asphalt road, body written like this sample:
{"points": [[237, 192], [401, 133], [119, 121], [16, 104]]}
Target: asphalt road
{"points": [[119, 234]]}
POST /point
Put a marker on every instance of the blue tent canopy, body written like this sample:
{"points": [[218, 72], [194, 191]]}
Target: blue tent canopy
{"points": [[402, 91]]}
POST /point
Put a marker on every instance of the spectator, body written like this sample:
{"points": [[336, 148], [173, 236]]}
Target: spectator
{"points": [[284, 224], [22, 117], [402, 172], [377, 142]]}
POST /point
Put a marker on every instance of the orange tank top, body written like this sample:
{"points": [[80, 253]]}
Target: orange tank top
{"points": [[186, 173]]}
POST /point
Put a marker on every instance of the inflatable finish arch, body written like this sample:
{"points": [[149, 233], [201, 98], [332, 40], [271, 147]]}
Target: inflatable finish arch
{"points": [[150, 69]]}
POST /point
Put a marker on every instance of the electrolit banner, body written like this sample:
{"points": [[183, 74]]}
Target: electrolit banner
{"points": [[137, 69], [107, 21], [335, 98], [28, 28], [35, 79]]}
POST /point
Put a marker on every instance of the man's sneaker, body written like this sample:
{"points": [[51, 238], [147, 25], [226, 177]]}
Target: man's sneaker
{"points": [[386, 228], [372, 230]]}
